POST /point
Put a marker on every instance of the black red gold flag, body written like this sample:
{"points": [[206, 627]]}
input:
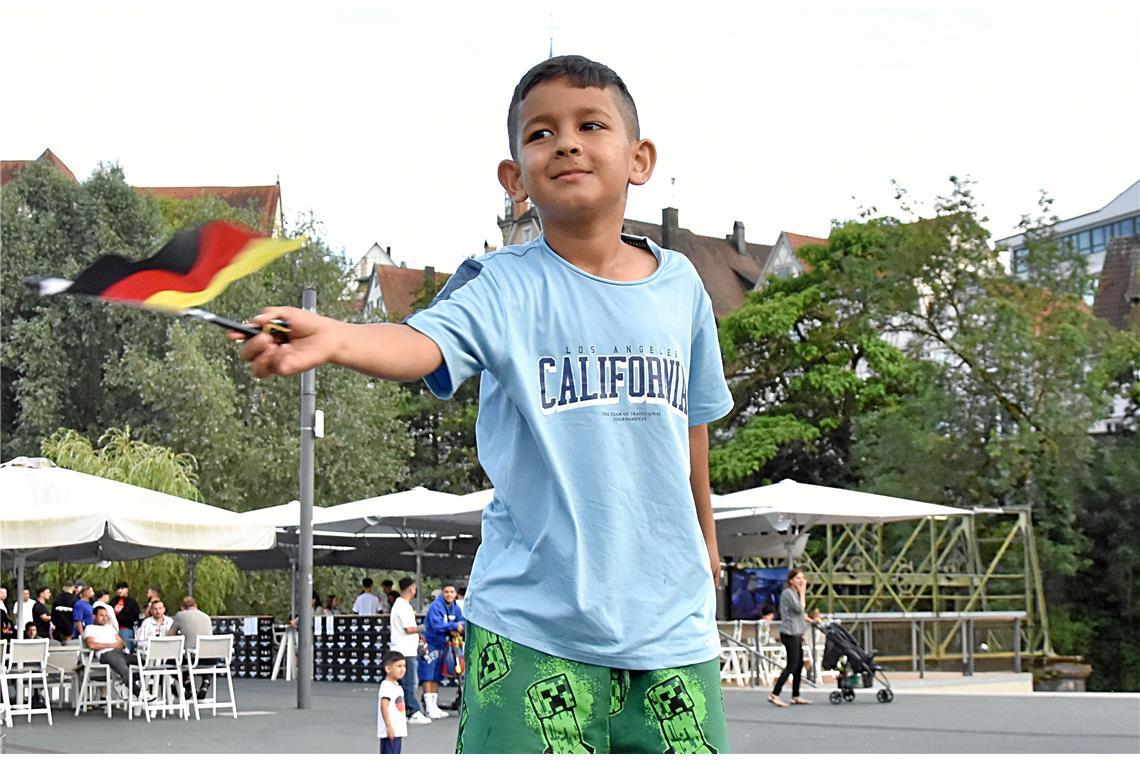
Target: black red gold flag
{"points": [[192, 268]]}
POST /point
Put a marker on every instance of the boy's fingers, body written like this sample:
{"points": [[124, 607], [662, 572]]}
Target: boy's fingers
{"points": [[256, 346]]}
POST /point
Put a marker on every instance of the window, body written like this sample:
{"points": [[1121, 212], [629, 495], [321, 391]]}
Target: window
{"points": [[1020, 263], [1098, 236], [1084, 242]]}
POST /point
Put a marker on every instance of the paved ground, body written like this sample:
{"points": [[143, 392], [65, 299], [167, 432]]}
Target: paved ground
{"points": [[926, 716]]}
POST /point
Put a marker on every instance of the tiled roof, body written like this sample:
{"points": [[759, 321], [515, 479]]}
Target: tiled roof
{"points": [[264, 198], [726, 274], [399, 287], [9, 169], [797, 240], [1118, 295]]}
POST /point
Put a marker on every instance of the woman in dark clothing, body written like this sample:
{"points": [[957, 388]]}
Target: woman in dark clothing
{"points": [[793, 624]]}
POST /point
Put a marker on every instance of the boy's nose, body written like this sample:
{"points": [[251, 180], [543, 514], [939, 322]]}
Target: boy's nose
{"points": [[569, 150]]}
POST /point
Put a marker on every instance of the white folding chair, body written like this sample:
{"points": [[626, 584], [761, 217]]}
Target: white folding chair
{"points": [[62, 668], [26, 664], [97, 687], [159, 670], [734, 658], [212, 658], [772, 653], [5, 707]]}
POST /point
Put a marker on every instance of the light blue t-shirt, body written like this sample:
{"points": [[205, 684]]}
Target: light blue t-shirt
{"points": [[591, 549]]}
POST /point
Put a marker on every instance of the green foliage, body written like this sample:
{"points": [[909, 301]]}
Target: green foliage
{"points": [[91, 367], [1106, 592], [804, 357], [444, 457]]}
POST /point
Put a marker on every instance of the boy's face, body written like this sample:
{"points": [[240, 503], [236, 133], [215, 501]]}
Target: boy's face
{"points": [[576, 156], [396, 670]]}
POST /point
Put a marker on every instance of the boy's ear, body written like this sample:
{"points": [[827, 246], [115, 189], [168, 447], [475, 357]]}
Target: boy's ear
{"points": [[644, 159], [510, 177]]}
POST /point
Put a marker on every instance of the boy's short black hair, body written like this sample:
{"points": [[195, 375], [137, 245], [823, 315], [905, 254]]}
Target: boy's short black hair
{"points": [[366, 583], [405, 582], [390, 657], [122, 584], [581, 72]]}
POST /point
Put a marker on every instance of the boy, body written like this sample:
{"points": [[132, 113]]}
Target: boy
{"points": [[392, 722], [600, 372]]}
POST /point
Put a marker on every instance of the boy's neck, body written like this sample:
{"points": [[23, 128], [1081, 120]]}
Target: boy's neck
{"points": [[597, 248]]}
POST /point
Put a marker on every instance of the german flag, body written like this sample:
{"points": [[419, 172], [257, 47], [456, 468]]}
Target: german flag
{"points": [[194, 267]]}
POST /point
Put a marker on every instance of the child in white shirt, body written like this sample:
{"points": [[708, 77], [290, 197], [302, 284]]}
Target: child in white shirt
{"points": [[391, 717]]}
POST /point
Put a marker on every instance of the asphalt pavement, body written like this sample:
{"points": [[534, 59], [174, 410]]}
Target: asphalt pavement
{"points": [[921, 719]]}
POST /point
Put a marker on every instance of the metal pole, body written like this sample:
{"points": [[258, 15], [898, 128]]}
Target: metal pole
{"points": [[191, 571], [21, 560], [921, 649], [305, 548], [1016, 646], [419, 577]]}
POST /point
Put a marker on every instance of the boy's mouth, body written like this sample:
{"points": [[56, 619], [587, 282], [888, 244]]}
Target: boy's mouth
{"points": [[570, 173]]}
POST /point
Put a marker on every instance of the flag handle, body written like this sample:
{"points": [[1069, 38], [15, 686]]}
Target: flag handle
{"points": [[278, 328]]}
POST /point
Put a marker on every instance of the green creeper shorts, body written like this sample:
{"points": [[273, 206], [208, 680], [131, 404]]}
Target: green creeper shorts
{"points": [[517, 699]]}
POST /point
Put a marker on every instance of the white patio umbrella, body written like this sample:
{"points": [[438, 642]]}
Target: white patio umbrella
{"points": [[374, 546], [433, 525], [789, 508], [789, 503], [50, 513], [419, 509]]}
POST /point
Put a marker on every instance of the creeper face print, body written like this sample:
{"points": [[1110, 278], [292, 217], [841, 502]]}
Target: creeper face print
{"points": [[493, 662], [619, 687], [553, 702], [676, 713]]}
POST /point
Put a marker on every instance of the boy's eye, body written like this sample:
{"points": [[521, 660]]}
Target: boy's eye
{"points": [[592, 125], [538, 134]]}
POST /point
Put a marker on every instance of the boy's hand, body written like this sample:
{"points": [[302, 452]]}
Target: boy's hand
{"points": [[313, 340], [391, 733]]}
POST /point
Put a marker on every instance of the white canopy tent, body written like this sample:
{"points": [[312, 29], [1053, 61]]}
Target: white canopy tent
{"points": [[369, 546], [419, 509], [789, 504], [787, 509], [50, 513], [415, 530]]}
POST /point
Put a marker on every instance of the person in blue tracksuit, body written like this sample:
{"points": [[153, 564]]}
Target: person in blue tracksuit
{"points": [[444, 618]]}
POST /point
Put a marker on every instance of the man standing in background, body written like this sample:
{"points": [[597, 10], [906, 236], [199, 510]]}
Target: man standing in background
{"points": [[405, 639], [366, 603], [126, 612], [41, 613], [61, 620], [82, 614]]}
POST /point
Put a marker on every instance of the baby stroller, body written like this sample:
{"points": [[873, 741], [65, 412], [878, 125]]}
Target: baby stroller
{"points": [[856, 668]]}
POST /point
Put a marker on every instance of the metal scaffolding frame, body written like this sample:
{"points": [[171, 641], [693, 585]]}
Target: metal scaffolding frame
{"points": [[982, 562]]}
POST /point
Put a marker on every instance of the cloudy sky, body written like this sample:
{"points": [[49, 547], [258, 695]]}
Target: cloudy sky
{"points": [[388, 123]]}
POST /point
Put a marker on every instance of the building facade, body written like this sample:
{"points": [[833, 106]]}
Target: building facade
{"points": [[1088, 234]]}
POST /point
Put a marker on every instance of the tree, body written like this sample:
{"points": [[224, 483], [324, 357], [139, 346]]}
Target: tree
{"points": [[444, 456], [91, 366], [804, 357], [1104, 595]]}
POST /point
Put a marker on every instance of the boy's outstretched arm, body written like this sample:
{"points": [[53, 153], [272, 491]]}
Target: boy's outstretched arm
{"points": [[388, 351], [699, 482]]}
